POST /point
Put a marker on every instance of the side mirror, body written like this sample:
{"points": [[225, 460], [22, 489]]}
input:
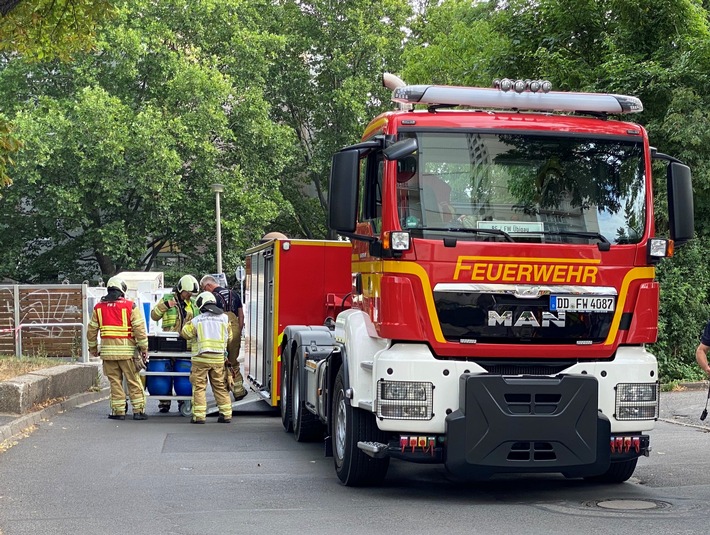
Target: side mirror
{"points": [[681, 218], [402, 148], [342, 191]]}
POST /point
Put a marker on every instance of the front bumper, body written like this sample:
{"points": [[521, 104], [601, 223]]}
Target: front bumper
{"points": [[527, 424]]}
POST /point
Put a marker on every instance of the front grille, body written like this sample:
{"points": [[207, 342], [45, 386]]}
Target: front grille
{"points": [[533, 404], [525, 369], [532, 451], [480, 317]]}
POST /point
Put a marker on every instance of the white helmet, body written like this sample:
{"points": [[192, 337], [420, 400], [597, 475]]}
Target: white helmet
{"points": [[117, 283], [204, 300], [188, 283]]}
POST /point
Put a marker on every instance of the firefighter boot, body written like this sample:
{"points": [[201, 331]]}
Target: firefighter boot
{"points": [[164, 406], [139, 416], [224, 419], [238, 390], [116, 416]]}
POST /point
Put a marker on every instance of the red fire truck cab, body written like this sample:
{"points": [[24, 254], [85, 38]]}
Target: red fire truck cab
{"points": [[492, 307]]}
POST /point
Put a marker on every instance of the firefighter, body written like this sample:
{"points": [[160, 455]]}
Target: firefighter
{"points": [[123, 332], [176, 310], [211, 332], [230, 302]]}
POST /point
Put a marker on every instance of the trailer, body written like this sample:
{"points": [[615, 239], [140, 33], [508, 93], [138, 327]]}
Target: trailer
{"points": [[491, 307]]}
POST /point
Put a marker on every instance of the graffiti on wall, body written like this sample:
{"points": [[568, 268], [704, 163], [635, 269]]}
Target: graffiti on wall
{"points": [[43, 312]]}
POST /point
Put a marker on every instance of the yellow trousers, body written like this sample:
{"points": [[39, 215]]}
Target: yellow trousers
{"points": [[115, 371], [235, 345], [233, 348], [199, 374]]}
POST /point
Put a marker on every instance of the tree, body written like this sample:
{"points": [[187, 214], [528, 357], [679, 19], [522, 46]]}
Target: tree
{"points": [[39, 29], [122, 145], [42, 29], [326, 87]]}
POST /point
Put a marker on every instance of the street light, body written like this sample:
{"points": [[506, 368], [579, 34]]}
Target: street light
{"points": [[218, 188]]}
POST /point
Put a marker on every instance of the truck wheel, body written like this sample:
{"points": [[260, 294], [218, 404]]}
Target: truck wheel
{"points": [[351, 425], [618, 472], [285, 403], [306, 425]]}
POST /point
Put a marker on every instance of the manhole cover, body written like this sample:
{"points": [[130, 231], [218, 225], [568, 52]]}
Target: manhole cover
{"points": [[630, 505]]}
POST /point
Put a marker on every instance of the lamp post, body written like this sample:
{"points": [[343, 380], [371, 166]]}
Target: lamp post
{"points": [[218, 188]]}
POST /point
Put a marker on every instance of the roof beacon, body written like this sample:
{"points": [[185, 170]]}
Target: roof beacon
{"points": [[509, 94]]}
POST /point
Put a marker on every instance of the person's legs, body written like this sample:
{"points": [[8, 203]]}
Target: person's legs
{"points": [[117, 398], [221, 395], [233, 354], [198, 378], [135, 388]]}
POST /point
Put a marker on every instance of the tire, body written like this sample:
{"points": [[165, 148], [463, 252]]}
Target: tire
{"points": [[186, 408], [618, 472], [306, 425], [351, 425], [285, 404]]}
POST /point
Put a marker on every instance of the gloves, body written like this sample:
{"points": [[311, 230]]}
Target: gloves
{"points": [[140, 360]]}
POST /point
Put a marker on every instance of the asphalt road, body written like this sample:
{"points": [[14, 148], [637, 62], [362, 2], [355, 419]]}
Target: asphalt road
{"points": [[81, 473]]}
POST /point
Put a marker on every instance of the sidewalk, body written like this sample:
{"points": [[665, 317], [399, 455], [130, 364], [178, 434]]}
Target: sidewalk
{"points": [[12, 424]]}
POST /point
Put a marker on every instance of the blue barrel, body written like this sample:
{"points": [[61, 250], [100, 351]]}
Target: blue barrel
{"points": [[159, 385], [183, 386]]}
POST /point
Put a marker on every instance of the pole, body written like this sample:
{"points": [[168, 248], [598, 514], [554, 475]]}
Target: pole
{"points": [[218, 188]]}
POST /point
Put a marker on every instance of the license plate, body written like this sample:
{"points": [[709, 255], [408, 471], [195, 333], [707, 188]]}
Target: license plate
{"points": [[582, 303]]}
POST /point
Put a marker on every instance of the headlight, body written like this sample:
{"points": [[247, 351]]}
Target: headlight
{"points": [[399, 390], [637, 401], [405, 400]]}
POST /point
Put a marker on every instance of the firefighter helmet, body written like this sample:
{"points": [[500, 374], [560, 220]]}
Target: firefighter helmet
{"points": [[205, 299], [188, 283], [117, 283]]}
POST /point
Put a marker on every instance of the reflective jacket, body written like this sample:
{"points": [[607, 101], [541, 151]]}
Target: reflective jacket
{"points": [[211, 334], [174, 318], [122, 329]]}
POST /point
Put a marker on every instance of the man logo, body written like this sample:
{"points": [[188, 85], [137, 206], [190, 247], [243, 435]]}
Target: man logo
{"points": [[526, 318]]}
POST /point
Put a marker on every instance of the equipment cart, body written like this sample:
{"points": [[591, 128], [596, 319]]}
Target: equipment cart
{"points": [[186, 407]]}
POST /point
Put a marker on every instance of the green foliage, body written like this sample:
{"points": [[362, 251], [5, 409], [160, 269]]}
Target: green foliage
{"points": [[9, 145], [684, 310], [47, 29], [123, 144], [326, 87]]}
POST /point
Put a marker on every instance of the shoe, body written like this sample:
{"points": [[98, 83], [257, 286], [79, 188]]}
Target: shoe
{"points": [[239, 393], [224, 420], [164, 408], [116, 416], [196, 421], [139, 416]]}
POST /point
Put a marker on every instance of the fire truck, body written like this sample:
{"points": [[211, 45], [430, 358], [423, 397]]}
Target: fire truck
{"points": [[490, 303]]}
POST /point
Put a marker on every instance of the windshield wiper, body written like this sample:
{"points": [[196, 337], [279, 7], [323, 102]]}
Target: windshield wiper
{"points": [[494, 231], [574, 233]]}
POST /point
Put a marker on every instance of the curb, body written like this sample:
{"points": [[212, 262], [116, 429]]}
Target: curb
{"points": [[17, 426]]}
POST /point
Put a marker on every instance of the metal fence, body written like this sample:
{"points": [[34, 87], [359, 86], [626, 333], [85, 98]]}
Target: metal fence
{"points": [[47, 320]]}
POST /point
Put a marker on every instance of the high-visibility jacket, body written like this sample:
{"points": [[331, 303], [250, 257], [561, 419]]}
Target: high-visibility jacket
{"points": [[174, 318], [122, 328], [211, 333]]}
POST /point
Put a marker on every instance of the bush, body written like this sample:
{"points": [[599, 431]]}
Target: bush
{"points": [[684, 311]]}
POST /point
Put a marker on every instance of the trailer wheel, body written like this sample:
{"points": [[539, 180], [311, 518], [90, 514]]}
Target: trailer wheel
{"points": [[186, 408], [306, 425], [351, 425], [618, 472], [285, 403]]}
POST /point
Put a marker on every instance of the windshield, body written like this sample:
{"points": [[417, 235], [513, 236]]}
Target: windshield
{"points": [[524, 188]]}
